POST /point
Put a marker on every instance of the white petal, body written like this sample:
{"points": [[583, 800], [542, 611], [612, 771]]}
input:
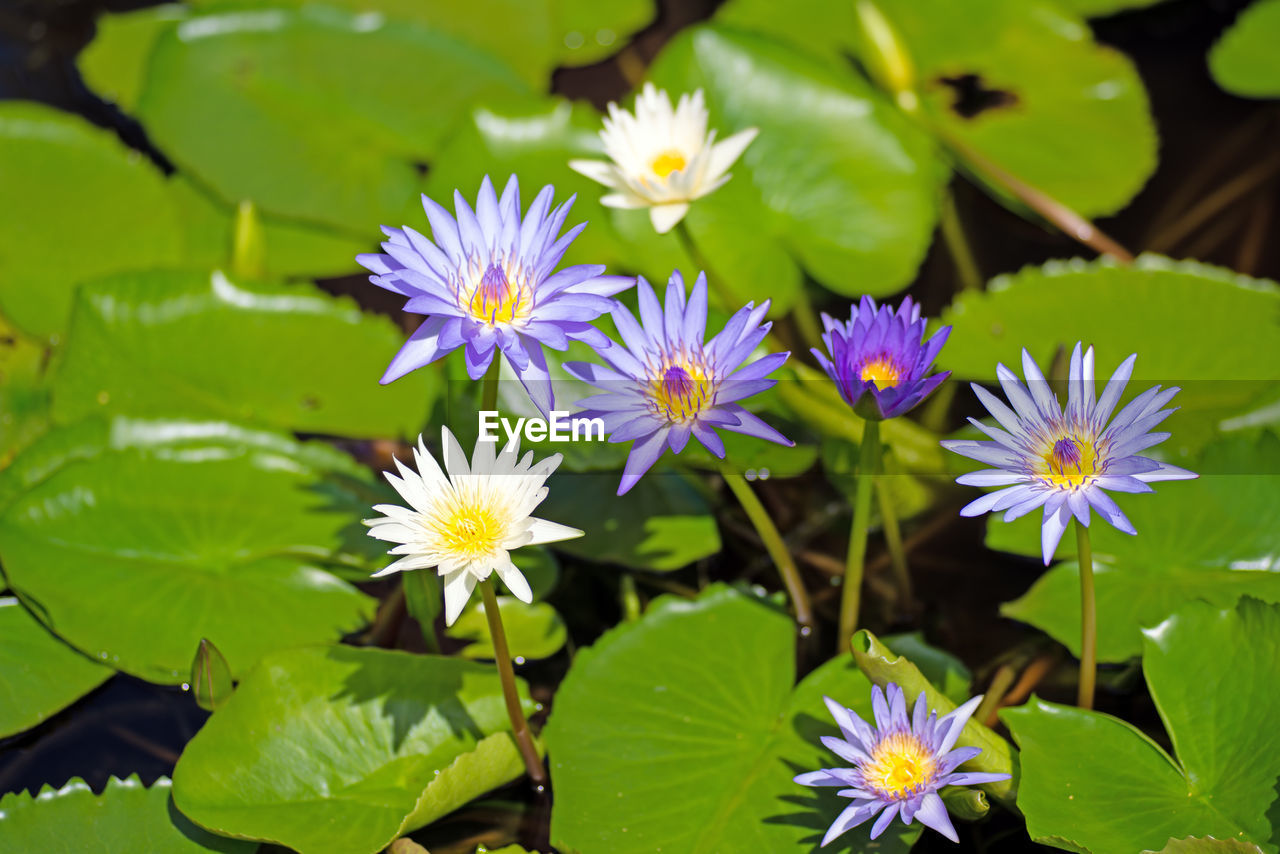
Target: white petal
{"points": [[543, 531], [724, 154], [457, 590], [515, 582], [665, 217]]}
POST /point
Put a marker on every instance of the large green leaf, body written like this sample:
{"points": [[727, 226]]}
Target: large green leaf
{"points": [[533, 630], [681, 733], [1245, 60], [316, 114], [663, 523], [587, 31], [24, 391], [285, 356], [1203, 539], [337, 750], [114, 64], [134, 541], [127, 816], [1102, 8], [1091, 782], [88, 206], [836, 177], [1076, 127], [1207, 845], [39, 674], [1232, 367]]}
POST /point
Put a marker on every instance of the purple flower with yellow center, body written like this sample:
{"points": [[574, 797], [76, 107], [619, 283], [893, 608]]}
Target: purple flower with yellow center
{"points": [[1066, 460], [899, 765], [485, 281], [663, 384], [879, 358]]}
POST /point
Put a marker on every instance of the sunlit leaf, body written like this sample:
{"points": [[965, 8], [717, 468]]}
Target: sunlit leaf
{"points": [[39, 674], [533, 630], [654, 748], [134, 541], [127, 816], [339, 750], [1245, 60], [1093, 782]]}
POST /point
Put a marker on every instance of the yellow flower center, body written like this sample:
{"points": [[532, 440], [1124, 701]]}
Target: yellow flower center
{"points": [[681, 391], [667, 162], [471, 529], [496, 300], [899, 765], [882, 371], [1069, 462]]}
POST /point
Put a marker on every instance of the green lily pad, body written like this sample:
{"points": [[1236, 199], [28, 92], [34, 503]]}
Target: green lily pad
{"points": [[339, 750], [533, 630], [587, 31], [114, 64], [291, 249], [1077, 127], [653, 748], [1091, 782], [133, 541], [90, 207], [1245, 61], [24, 391], [316, 114], [1207, 845], [39, 674], [127, 816], [1103, 8], [1201, 539], [287, 356], [1052, 307], [836, 177], [662, 524]]}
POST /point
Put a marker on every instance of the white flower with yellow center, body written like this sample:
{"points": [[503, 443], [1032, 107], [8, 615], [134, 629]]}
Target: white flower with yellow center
{"points": [[466, 523], [662, 159]]}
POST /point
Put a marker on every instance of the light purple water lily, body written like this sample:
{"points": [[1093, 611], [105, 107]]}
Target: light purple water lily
{"points": [[899, 765], [1066, 460], [485, 281], [879, 359], [663, 384]]}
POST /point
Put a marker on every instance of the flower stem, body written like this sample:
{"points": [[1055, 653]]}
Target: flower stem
{"points": [[897, 552], [1088, 619], [519, 725], [774, 545], [850, 598], [961, 253], [489, 392]]}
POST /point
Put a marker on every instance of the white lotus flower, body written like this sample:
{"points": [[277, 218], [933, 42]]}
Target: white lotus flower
{"points": [[662, 159], [465, 524]]}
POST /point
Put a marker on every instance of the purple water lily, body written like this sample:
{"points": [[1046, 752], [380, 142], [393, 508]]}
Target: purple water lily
{"points": [[1066, 460], [899, 766], [879, 358], [485, 281], [663, 384]]}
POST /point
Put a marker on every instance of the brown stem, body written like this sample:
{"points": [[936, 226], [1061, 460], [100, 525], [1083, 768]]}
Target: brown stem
{"points": [[1210, 205]]}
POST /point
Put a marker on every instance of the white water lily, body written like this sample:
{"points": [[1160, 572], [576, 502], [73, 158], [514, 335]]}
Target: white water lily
{"points": [[466, 523], [662, 159]]}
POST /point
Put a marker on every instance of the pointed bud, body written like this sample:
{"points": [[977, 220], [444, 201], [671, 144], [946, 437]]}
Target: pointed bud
{"points": [[885, 56], [210, 677], [249, 245]]}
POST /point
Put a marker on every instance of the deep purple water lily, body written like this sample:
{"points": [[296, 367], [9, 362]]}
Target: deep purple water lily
{"points": [[663, 384], [879, 358], [1066, 460], [899, 766], [485, 281]]}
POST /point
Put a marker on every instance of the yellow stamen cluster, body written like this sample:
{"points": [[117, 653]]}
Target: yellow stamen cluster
{"points": [[471, 528], [899, 765], [496, 299], [667, 162], [882, 371], [1069, 462], [681, 391]]}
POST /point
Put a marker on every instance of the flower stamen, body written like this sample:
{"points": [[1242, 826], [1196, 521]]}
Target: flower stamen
{"points": [[495, 300], [680, 392], [881, 370], [667, 162], [900, 765], [1069, 462]]}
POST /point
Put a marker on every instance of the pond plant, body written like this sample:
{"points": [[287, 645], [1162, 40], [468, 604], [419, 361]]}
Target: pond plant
{"points": [[221, 489]]}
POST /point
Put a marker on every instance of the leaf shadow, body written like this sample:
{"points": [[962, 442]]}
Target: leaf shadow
{"points": [[409, 701]]}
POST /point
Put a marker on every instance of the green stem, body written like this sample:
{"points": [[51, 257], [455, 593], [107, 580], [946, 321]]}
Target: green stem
{"points": [[1088, 619], [850, 598], [893, 539], [630, 598], [807, 320], [489, 392], [773, 544], [519, 725], [691, 249], [953, 235]]}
